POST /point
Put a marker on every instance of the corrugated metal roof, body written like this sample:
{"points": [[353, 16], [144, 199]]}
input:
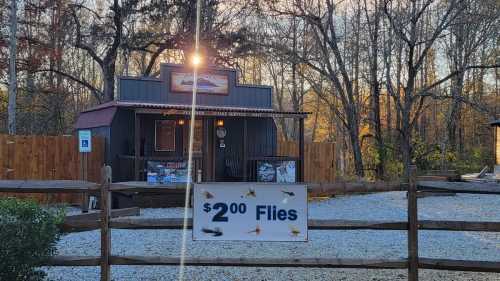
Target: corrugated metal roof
{"points": [[136, 105]]}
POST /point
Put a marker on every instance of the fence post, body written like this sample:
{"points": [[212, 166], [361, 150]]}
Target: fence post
{"points": [[412, 226], [105, 217]]}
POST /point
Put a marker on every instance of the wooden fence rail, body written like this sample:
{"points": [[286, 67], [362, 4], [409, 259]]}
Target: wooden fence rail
{"points": [[177, 223], [424, 263], [413, 225]]}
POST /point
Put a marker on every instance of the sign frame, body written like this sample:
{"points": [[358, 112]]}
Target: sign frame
{"points": [[85, 136], [276, 186], [177, 78]]}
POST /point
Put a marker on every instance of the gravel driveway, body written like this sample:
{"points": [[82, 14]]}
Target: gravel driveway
{"points": [[338, 244]]}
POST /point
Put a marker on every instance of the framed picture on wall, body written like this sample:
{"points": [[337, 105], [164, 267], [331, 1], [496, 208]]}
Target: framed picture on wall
{"points": [[276, 171], [165, 135], [182, 82]]}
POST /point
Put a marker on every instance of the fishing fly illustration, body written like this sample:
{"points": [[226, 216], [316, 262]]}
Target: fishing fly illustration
{"points": [[294, 231], [256, 230], [250, 193], [215, 232], [208, 195]]}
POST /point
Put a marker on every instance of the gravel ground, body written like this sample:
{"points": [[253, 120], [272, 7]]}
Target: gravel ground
{"points": [[338, 244]]}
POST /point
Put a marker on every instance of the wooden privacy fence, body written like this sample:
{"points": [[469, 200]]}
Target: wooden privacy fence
{"points": [[412, 226], [319, 159], [49, 158]]}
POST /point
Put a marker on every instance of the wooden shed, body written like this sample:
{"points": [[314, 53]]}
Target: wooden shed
{"points": [[235, 139], [496, 142]]}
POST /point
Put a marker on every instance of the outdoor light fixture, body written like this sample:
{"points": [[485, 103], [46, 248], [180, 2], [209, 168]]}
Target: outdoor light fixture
{"points": [[196, 59], [220, 123], [180, 122]]}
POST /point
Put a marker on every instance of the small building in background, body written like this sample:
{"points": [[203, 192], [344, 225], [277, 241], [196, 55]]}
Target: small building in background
{"points": [[146, 129], [496, 146]]}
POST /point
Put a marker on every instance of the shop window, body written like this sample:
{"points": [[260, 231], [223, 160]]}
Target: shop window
{"points": [[165, 135]]}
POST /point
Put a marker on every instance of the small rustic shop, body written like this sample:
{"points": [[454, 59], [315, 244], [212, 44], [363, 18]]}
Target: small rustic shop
{"points": [[496, 140], [147, 129]]}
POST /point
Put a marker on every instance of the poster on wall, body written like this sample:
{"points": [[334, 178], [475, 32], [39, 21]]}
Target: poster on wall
{"points": [[160, 172], [285, 171], [182, 82], [276, 171]]}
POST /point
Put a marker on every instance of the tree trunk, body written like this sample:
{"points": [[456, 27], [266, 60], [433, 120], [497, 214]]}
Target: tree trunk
{"points": [[375, 92], [109, 83], [406, 144], [12, 69], [316, 115], [353, 130], [356, 150]]}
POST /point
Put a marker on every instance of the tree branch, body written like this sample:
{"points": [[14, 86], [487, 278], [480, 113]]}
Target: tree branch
{"points": [[97, 93]]}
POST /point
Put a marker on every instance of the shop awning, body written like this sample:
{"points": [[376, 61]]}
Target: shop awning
{"points": [[201, 110], [100, 117]]}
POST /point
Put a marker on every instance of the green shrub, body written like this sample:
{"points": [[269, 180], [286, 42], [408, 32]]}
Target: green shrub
{"points": [[28, 237]]}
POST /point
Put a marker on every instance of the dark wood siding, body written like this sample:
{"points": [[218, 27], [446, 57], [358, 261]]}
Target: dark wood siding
{"points": [[148, 136], [497, 144], [105, 133], [122, 143], [262, 142], [262, 132], [153, 90], [141, 90]]}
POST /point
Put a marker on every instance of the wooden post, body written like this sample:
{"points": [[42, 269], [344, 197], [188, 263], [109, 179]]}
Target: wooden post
{"points": [[137, 143], [207, 148], [412, 226], [105, 218], [301, 150], [84, 174], [245, 149]]}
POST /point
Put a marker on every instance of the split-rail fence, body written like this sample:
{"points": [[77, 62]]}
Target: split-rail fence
{"points": [[413, 262]]}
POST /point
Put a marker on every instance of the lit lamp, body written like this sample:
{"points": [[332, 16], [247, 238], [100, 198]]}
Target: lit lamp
{"points": [[220, 123], [196, 59], [180, 122]]}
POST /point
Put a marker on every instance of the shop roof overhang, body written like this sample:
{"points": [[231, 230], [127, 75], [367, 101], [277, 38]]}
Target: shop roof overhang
{"points": [[97, 118], [201, 110], [495, 123], [102, 115]]}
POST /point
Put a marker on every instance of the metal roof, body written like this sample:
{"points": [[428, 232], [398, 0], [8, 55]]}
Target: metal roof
{"points": [[103, 114], [495, 123], [96, 118], [245, 111]]}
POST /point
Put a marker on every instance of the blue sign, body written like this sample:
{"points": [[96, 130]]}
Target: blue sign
{"points": [[84, 141]]}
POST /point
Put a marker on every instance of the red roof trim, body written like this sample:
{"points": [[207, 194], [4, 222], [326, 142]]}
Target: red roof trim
{"points": [[96, 118]]}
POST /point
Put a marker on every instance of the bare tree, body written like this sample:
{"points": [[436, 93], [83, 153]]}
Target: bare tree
{"points": [[327, 60], [406, 23], [373, 26], [472, 30]]}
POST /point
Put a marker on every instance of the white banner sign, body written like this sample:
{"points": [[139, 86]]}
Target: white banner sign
{"points": [[84, 141], [250, 211]]}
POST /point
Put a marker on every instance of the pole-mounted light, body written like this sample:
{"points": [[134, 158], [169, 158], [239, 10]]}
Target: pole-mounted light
{"points": [[196, 59]]}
